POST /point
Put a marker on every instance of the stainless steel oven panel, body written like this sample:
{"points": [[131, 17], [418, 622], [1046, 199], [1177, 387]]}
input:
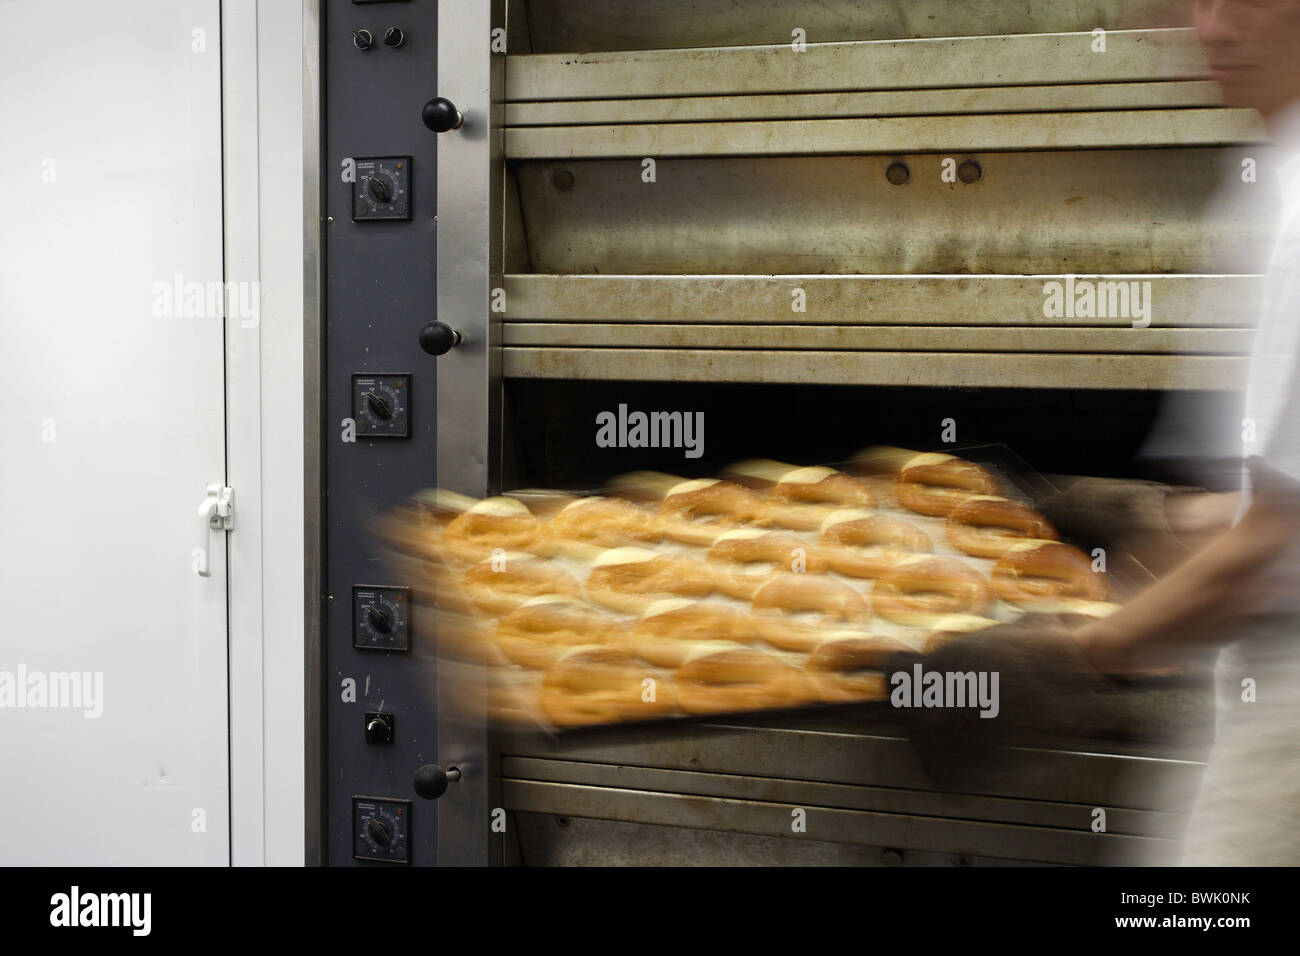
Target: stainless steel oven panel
{"points": [[1030, 213], [589, 26], [861, 788], [470, 184], [559, 840], [842, 796], [604, 304], [780, 106], [887, 330], [902, 831], [1102, 129], [940, 63], [1160, 780], [932, 369]]}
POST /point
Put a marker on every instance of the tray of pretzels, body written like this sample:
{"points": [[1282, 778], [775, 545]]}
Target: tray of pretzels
{"points": [[771, 587]]}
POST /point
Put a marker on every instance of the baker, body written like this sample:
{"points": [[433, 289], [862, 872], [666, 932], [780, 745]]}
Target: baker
{"points": [[1242, 588]]}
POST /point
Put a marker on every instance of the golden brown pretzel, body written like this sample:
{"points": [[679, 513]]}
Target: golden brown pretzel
{"points": [[1047, 576], [986, 525], [746, 558], [922, 589], [794, 611], [606, 523], [501, 584], [935, 483], [602, 685], [867, 544], [631, 579], [824, 486], [801, 498], [847, 666], [669, 629], [494, 524], [539, 632], [697, 511], [721, 678]]}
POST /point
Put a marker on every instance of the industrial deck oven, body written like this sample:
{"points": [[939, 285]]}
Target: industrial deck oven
{"points": [[823, 226]]}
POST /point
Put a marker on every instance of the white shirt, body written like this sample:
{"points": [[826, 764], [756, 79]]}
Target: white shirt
{"points": [[1248, 810], [1272, 394]]}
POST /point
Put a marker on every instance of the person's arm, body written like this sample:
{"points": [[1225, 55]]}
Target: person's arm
{"points": [[1188, 606]]}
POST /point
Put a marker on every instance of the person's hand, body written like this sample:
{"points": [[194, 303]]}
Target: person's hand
{"points": [[1196, 516]]}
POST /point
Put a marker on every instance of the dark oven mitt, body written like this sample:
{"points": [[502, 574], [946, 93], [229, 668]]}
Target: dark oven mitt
{"points": [[1046, 691]]}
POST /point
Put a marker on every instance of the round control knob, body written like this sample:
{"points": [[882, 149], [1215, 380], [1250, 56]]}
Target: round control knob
{"points": [[439, 338], [379, 405], [441, 115], [377, 732], [363, 39], [378, 832], [380, 620], [431, 780], [394, 37], [380, 189]]}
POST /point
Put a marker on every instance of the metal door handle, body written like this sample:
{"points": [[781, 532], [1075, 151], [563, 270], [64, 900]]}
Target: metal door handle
{"points": [[216, 513], [441, 116]]}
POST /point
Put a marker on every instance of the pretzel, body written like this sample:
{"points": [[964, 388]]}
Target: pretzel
{"points": [[793, 611], [631, 579], [935, 484], [721, 678], [603, 685], [986, 525], [866, 544], [1048, 576], [922, 589]]}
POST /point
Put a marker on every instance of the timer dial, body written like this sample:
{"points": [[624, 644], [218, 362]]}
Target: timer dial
{"points": [[381, 405], [381, 829], [381, 618], [381, 189]]}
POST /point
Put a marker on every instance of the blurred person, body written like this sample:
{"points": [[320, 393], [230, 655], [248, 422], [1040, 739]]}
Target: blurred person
{"points": [[1241, 586]]}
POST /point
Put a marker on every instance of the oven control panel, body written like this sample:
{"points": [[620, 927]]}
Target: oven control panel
{"points": [[378, 445]]}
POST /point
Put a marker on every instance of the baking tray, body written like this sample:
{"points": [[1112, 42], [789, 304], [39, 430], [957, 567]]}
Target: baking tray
{"points": [[1018, 479]]}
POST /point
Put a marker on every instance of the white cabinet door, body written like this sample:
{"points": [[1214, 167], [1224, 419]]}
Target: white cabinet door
{"points": [[113, 392]]}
